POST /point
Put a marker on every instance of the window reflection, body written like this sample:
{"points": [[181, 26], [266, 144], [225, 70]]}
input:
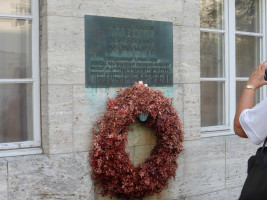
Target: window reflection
{"points": [[248, 15], [212, 14], [248, 53], [15, 113], [15, 48], [212, 103], [19, 7], [212, 54]]}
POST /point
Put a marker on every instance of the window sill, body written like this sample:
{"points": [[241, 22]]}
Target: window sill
{"points": [[216, 131], [19, 145], [20, 152]]}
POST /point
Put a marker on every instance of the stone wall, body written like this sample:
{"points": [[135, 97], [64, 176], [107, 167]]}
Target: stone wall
{"points": [[209, 168]]}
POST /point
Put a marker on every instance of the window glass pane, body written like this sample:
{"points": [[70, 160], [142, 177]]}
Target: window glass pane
{"points": [[20, 7], [248, 54], [212, 54], [15, 48], [212, 14], [212, 103], [239, 88], [248, 17], [16, 112]]}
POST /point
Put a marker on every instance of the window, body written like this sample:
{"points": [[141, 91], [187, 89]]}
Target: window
{"points": [[19, 77], [232, 44]]}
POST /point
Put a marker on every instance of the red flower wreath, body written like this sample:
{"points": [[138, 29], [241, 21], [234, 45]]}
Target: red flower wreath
{"points": [[111, 166]]}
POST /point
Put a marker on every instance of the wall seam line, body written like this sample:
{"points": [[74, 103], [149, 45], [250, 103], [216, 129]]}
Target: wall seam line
{"points": [[72, 128], [7, 181], [212, 192], [225, 164]]}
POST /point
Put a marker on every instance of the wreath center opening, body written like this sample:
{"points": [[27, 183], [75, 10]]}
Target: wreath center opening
{"points": [[141, 140]]}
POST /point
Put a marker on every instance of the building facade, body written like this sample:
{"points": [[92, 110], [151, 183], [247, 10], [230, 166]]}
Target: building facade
{"points": [[47, 114]]}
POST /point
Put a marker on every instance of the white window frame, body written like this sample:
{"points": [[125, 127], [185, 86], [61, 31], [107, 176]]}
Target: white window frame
{"points": [[28, 147], [230, 66]]}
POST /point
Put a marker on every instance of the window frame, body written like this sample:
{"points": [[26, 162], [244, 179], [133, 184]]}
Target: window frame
{"points": [[230, 66], [34, 146]]}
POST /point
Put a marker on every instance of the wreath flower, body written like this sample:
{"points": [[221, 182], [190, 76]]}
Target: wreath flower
{"points": [[112, 169]]}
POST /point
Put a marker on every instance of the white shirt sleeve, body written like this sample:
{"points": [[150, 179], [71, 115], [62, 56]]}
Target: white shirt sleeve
{"points": [[254, 122]]}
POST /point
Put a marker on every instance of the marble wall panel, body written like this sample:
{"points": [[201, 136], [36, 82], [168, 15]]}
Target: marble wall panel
{"points": [[54, 177], [191, 13], [58, 7], [186, 54], [89, 104], [192, 111], [141, 153], [44, 118], [60, 119], [66, 54], [230, 194], [180, 12], [43, 51], [139, 9], [178, 100], [201, 168], [3, 180], [140, 135], [238, 151]]}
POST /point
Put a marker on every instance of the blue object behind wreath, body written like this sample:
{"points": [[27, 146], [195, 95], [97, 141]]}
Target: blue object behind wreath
{"points": [[142, 117]]}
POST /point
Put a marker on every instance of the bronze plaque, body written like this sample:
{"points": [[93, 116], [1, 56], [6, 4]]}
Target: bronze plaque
{"points": [[120, 52]]}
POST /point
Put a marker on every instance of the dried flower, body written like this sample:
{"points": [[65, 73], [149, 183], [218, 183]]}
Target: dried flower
{"points": [[111, 166]]}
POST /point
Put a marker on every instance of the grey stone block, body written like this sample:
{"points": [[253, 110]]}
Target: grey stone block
{"points": [[138, 9], [44, 118], [191, 13], [238, 151], [89, 104], [66, 54], [43, 51], [58, 7], [178, 100], [3, 180], [192, 111], [139, 135], [186, 54], [201, 168], [54, 177], [60, 119], [141, 153], [230, 194]]}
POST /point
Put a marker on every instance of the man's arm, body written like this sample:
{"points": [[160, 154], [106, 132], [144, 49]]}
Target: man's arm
{"points": [[256, 80]]}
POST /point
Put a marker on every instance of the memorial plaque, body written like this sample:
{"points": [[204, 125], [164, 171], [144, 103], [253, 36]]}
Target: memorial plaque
{"points": [[120, 52]]}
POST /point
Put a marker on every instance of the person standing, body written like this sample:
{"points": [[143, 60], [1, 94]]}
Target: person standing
{"points": [[251, 121]]}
